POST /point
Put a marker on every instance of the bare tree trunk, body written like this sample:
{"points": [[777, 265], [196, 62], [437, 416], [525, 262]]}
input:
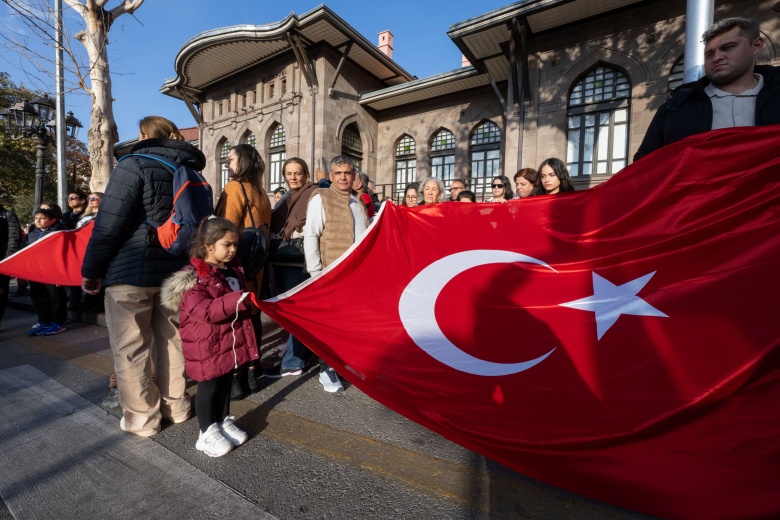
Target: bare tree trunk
{"points": [[102, 131]]}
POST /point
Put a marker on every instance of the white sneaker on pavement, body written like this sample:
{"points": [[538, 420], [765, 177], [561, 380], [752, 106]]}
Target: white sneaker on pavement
{"points": [[330, 381], [233, 433], [213, 443]]}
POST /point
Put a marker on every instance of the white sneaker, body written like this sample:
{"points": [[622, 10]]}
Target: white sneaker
{"points": [[330, 381], [233, 433], [213, 443]]}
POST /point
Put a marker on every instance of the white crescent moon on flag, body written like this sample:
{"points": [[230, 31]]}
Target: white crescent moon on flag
{"points": [[417, 309]]}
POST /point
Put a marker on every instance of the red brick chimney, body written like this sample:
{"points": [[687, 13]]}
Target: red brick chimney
{"points": [[386, 43]]}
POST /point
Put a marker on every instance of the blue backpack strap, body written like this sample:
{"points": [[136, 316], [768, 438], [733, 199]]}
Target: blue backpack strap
{"points": [[160, 160], [173, 167]]}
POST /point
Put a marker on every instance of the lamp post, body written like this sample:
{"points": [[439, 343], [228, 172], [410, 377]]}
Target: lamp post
{"points": [[35, 120]]}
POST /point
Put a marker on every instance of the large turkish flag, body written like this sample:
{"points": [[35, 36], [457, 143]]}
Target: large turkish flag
{"points": [[55, 258], [620, 342]]}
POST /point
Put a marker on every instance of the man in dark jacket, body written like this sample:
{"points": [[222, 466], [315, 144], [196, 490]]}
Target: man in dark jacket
{"points": [[125, 255], [734, 91], [10, 240]]}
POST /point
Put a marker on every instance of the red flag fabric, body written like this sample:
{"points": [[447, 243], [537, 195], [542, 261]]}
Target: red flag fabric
{"points": [[56, 258], [618, 342]]}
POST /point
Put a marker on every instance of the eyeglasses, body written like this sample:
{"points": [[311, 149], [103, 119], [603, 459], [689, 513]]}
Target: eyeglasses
{"points": [[74, 198], [497, 186], [91, 199]]}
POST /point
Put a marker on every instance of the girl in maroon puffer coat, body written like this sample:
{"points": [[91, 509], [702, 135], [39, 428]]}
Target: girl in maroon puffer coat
{"points": [[216, 330]]}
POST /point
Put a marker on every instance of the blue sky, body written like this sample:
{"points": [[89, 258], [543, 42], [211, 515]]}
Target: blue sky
{"points": [[143, 47]]}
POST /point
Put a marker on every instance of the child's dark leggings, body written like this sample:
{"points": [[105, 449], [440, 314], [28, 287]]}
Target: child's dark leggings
{"points": [[212, 402]]}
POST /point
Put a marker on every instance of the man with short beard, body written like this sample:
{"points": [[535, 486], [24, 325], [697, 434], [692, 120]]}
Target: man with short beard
{"points": [[334, 220], [734, 92]]}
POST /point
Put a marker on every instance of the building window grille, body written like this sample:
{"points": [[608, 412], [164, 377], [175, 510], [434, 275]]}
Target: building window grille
{"points": [[677, 73], [485, 156], [352, 145], [277, 153], [443, 156], [443, 140], [601, 84], [224, 175], [250, 140], [598, 122], [405, 165]]}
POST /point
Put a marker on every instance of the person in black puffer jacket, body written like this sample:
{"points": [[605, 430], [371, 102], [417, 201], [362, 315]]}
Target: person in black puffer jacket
{"points": [[125, 256]]}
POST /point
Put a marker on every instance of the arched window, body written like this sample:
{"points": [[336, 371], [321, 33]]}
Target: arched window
{"points": [[485, 155], [352, 145], [277, 153], [249, 138], [224, 176], [443, 155], [677, 73], [598, 113], [405, 164]]}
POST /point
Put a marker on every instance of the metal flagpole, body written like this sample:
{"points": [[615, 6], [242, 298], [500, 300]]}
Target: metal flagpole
{"points": [[699, 15], [62, 174]]}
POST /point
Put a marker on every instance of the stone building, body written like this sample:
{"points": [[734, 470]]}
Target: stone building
{"points": [[574, 79]]}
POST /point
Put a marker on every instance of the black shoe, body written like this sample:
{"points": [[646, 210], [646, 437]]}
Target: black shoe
{"points": [[240, 388], [254, 374]]}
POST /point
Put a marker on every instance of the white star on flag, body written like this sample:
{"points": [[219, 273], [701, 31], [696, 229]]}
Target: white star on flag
{"points": [[609, 301]]}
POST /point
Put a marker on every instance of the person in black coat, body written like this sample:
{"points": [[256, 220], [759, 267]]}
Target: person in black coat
{"points": [[731, 46], [125, 255], [10, 241]]}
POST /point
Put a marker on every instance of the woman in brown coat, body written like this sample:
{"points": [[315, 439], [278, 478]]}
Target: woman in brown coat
{"points": [[246, 168]]}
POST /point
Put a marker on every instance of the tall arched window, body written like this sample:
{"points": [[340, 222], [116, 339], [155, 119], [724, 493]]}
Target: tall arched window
{"points": [[598, 112], [485, 155], [249, 138], [405, 164], [277, 153], [677, 73], [352, 145], [443, 155], [224, 176]]}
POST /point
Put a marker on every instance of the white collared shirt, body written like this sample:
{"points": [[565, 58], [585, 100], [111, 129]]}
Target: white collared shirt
{"points": [[730, 110]]}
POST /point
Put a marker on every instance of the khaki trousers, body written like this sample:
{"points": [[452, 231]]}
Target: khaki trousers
{"points": [[148, 359]]}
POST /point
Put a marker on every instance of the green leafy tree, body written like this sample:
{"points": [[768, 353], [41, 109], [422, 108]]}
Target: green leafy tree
{"points": [[17, 160], [91, 73]]}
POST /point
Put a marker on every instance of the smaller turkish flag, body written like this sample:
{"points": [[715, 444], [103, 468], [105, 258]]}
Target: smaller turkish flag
{"points": [[617, 342], [55, 258]]}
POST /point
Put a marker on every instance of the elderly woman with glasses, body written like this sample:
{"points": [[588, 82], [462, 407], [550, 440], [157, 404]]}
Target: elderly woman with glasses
{"points": [[502, 190]]}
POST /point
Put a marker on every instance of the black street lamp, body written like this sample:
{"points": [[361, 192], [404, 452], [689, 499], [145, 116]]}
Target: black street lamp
{"points": [[35, 120]]}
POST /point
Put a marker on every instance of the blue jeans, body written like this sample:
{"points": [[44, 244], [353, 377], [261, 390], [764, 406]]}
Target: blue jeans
{"points": [[287, 277]]}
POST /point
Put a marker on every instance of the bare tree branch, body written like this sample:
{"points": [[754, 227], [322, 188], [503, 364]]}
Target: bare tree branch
{"points": [[93, 75]]}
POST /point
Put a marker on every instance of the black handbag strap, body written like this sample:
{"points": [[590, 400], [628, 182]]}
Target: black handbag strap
{"points": [[246, 200]]}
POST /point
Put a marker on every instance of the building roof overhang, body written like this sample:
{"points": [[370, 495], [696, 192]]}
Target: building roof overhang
{"points": [[484, 40], [215, 55], [426, 88]]}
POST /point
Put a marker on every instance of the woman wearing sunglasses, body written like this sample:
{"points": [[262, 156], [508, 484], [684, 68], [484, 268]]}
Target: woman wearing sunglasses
{"points": [[93, 203], [502, 190]]}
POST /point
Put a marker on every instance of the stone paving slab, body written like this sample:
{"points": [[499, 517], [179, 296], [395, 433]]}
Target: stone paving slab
{"points": [[63, 457]]}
